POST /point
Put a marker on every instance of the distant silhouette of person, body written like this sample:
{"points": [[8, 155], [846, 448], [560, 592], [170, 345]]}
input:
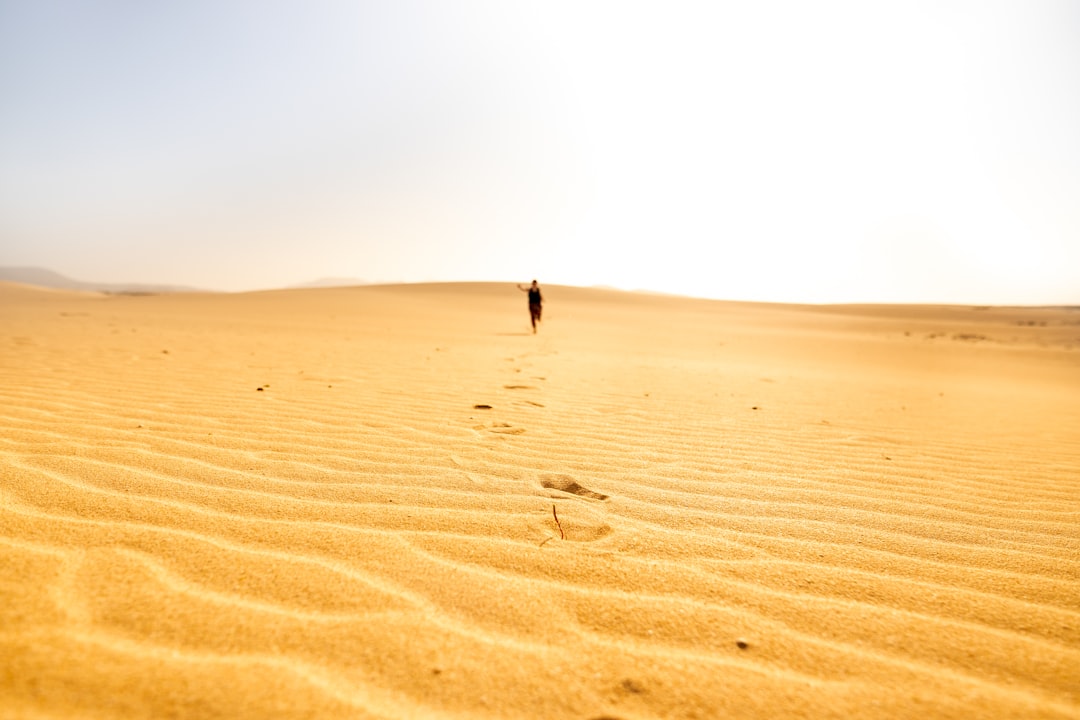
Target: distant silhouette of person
{"points": [[536, 302]]}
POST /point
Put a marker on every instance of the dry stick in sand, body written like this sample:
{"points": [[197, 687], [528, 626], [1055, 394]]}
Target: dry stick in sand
{"points": [[556, 515]]}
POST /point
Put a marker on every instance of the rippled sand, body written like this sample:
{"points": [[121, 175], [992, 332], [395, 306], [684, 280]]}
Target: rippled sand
{"points": [[289, 504]]}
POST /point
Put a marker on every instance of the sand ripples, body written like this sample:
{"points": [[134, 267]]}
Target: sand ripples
{"points": [[202, 513]]}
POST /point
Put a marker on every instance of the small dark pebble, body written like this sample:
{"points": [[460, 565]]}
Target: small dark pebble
{"points": [[258, 389], [742, 644], [481, 407], [755, 408]]}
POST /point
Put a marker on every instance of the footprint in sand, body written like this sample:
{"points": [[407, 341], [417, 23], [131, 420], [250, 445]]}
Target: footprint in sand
{"points": [[586, 533], [506, 429], [567, 484], [577, 522]]}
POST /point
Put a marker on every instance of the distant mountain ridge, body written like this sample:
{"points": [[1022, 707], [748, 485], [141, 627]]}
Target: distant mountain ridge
{"points": [[330, 282], [50, 279]]}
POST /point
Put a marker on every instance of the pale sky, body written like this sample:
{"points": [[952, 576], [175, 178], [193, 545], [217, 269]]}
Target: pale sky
{"points": [[782, 151]]}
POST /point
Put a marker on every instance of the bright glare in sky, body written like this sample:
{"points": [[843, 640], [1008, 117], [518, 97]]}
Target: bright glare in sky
{"points": [[780, 151]]}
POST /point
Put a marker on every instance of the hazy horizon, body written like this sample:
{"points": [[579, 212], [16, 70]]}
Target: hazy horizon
{"points": [[842, 152]]}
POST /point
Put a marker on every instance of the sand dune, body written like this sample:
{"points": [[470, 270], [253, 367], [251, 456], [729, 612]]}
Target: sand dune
{"points": [[396, 502]]}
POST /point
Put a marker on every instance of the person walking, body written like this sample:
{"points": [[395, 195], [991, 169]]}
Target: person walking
{"points": [[536, 302]]}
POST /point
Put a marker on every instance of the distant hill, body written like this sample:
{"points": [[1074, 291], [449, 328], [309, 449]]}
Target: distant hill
{"points": [[47, 278], [330, 282]]}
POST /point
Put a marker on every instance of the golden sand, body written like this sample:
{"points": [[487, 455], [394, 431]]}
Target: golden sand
{"points": [[287, 504]]}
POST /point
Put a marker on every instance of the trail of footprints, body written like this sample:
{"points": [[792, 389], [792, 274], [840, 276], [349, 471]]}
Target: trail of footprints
{"points": [[580, 526], [505, 428]]}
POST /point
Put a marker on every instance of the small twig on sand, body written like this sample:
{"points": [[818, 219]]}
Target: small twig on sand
{"points": [[556, 515]]}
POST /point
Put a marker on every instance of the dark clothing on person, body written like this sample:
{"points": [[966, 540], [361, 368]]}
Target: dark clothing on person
{"points": [[536, 303]]}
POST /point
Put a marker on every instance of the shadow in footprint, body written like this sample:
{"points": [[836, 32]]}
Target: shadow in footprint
{"points": [[567, 484], [519, 387]]}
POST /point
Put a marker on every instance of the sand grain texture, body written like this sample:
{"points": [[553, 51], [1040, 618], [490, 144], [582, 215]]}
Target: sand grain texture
{"points": [[296, 504]]}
